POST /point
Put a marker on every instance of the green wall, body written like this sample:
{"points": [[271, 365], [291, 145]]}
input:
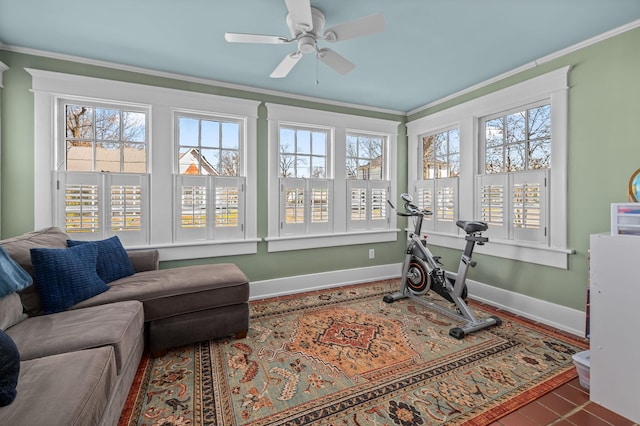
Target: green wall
{"points": [[604, 111]]}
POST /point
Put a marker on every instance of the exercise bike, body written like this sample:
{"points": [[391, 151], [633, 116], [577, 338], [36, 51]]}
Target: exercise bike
{"points": [[422, 271]]}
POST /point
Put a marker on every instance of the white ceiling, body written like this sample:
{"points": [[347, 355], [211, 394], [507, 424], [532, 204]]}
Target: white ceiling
{"points": [[430, 48]]}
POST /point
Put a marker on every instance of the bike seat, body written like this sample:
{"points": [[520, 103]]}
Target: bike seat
{"points": [[472, 226]]}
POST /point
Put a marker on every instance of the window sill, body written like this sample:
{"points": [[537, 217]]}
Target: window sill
{"points": [[302, 242], [202, 249], [531, 253]]}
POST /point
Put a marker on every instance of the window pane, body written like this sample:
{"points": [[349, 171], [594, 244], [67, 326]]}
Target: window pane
{"points": [[210, 134], [209, 161], [516, 129], [229, 163], [189, 161], [494, 161], [540, 155], [352, 146], [108, 157], [303, 167], [454, 141], [515, 157], [352, 168], [188, 131], [303, 142], [79, 122], [440, 145], [107, 124], [230, 135], [318, 167], [319, 146], [494, 132], [134, 126], [454, 165], [287, 140], [540, 122], [79, 156], [135, 158]]}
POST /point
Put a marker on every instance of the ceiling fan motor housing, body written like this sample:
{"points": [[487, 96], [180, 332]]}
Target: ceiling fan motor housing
{"points": [[317, 18]]}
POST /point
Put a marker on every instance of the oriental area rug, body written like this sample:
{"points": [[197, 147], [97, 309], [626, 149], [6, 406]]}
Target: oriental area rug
{"points": [[343, 356]]}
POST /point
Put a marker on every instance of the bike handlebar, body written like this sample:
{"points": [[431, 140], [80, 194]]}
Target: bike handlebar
{"points": [[411, 210]]}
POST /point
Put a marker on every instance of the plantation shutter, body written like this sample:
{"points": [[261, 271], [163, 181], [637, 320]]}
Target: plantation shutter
{"points": [[424, 198], [367, 204], [528, 207], [101, 205], [492, 203], [446, 204]]}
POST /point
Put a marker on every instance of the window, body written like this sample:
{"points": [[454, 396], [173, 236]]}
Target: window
{"points": [[437, 191], [96, 173], [367, 186], [209, 184], [330, 176], [103, 176], [512, 184], [510, 162], [305, 190]]}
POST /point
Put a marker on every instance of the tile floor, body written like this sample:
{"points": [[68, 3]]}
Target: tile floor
{"points": [[568, 405]]}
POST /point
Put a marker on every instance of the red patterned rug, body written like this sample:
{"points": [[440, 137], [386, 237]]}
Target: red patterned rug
{"points": [[343, 356]]}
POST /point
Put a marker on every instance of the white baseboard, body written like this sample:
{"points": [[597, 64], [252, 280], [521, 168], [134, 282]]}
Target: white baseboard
{"points": [[558, 316], [323, 280]]}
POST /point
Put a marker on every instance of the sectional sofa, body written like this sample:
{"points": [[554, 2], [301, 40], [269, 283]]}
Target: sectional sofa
{"points": [[76, 364]]}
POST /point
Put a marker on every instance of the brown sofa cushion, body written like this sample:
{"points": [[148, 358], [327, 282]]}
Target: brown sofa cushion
{"points": [[67, 389], [176, 291], [118, 324], [10, 311], [19, 249]]}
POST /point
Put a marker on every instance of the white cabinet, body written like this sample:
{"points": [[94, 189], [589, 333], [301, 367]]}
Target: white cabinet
{"points": [[614, 320]]}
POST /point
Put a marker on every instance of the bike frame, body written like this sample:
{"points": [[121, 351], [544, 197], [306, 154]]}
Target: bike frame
{"points": [[453, 283]]}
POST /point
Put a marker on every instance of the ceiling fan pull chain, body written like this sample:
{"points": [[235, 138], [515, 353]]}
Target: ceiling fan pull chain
{"points": [[317, 81]]}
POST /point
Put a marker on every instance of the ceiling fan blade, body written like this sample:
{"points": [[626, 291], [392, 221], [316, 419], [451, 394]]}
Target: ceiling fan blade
{"points": [[300, 13], [287, 64], [336, 61], [357, 28], [254, 38]]}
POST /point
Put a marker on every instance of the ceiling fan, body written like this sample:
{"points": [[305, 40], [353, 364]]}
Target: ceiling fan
{"points": [[305, 24]]}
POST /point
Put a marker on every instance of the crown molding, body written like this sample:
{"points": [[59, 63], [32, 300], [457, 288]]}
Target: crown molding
{"points": [[573, 48], [190, 79]]}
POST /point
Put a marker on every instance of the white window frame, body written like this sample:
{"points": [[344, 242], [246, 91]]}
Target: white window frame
{"points": [[209, 229], [341, 124], [49, 86], [552, 87]]}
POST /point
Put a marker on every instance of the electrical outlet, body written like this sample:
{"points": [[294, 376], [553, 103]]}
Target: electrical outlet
{"points": [[372, 253]]}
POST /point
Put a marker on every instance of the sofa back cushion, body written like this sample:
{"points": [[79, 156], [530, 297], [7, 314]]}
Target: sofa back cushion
{"points": [[10, 311], [19, 249]]}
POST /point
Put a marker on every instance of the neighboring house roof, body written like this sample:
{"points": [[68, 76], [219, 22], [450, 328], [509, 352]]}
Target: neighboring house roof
{"points": [[190, 160]]}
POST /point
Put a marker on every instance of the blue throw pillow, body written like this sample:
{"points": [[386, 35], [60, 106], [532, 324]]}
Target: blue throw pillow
{"points": [[113, 262], [66, 276], [12, 277], [9, 369]]}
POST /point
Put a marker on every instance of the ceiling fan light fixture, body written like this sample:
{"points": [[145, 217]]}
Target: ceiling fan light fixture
{"points": [[306, 44]]}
